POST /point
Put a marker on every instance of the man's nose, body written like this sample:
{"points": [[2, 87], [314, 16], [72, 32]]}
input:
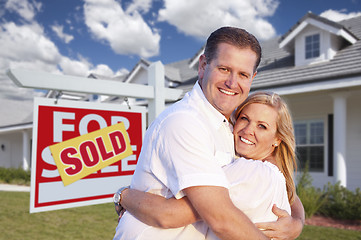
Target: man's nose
{"points": [[231, 81]]}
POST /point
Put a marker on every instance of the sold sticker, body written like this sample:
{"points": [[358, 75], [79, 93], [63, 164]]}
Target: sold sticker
{"points": [[81, 156]]}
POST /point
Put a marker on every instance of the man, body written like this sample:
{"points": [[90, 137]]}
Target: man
{"points": [[187, 144]]}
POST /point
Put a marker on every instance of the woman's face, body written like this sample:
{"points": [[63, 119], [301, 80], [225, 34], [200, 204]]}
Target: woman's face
{"points": [[255, 131]]}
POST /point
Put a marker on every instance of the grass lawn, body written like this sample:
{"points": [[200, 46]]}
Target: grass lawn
{"points": [[92, 222]]}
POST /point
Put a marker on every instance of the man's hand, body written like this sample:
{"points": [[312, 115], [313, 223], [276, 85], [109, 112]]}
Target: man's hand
{"points": [[285, 228]]}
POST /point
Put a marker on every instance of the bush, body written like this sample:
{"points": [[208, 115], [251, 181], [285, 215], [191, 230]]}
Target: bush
{"points": [[311, 198], [341, 203], [14, 176]]}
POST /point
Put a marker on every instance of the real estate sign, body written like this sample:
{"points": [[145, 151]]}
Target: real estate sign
{"points": [[82, 152]]}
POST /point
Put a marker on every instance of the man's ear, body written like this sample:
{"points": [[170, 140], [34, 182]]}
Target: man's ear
{"points": [[201, 66], [255, 73]]}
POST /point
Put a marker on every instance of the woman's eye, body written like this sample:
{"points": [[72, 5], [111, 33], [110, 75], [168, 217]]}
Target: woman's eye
{"points": [[244, 118], [262, 126]]}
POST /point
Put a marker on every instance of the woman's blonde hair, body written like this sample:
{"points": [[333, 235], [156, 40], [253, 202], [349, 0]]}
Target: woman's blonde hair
{"points": [[284, 153]]}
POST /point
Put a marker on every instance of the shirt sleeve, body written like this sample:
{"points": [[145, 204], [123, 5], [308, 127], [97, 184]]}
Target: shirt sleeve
{"points": [[187, 155]]}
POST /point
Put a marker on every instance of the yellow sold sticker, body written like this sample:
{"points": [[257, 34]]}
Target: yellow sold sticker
{"points": [[81, 156]]}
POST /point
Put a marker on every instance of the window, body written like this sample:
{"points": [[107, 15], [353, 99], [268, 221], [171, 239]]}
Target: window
{"points": [[312, 46], [310, 144]]}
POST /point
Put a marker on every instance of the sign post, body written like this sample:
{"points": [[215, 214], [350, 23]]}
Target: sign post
{"points": [[56, 121]]}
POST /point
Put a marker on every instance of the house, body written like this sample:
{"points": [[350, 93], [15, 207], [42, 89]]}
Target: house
{"points": [[316, 67]]}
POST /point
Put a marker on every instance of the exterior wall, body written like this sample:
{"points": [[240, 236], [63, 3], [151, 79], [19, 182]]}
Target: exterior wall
{"points": [[304, 107], [12, 155], [353, 143], [336, 43]]}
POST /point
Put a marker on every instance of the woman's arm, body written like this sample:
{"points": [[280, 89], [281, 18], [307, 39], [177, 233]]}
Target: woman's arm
{"points": [[158, 211]]}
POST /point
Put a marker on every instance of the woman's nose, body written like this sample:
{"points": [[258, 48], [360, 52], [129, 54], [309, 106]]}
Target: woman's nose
{"points": [[248, 130]]}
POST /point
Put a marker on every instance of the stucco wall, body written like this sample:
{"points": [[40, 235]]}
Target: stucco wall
{"points": [[11, 153]]}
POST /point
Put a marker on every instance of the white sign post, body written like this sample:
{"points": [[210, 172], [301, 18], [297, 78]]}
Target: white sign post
{"points": [[154, 91], [61, 120]]}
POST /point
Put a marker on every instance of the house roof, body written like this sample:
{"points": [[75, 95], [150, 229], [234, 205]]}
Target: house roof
{"points": [[15, 112], [321, 22], [277, 67]]}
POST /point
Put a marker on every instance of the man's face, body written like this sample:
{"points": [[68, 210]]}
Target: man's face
{"points": [[227, 79]]}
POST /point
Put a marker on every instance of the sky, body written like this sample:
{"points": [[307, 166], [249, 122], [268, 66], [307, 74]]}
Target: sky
{"points": [[109, 37]]}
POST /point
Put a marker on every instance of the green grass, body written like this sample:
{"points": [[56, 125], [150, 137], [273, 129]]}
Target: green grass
{"points": [[92, 222], [328, 233]]}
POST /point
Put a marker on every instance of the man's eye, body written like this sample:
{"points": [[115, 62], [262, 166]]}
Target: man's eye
{"points": [[243, 75], [223, 69]]}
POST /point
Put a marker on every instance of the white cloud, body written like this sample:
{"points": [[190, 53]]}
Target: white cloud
{"points": [[24, 8], [340, 15], [139, 5], [125, 33], [26, 46], [199, 18], [58, 29]]}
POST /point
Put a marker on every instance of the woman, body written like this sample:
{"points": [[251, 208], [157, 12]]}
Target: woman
{"points": [[263, 131]]}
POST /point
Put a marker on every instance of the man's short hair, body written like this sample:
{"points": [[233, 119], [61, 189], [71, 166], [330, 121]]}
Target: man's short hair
{"points": [[235, 36]]}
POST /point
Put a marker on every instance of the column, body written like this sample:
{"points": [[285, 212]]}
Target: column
{"points": [[26, 150], [339, 142]]}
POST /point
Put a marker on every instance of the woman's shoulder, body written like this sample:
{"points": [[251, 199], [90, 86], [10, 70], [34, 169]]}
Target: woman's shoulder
{"points": [[242, 169]]}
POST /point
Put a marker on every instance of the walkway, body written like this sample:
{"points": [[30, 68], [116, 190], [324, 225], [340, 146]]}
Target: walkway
{"points": [[14, 188]]}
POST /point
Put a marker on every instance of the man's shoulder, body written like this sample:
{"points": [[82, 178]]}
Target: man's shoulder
{"points": [[185, 111]]}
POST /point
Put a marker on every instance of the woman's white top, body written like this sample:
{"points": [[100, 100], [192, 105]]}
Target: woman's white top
{"points": [[255, 187]]}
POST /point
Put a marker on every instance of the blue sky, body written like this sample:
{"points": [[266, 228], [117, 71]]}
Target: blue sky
{"points": [[108, 37]]}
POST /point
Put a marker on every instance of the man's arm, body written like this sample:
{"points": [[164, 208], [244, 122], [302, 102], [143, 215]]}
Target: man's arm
{"points": [[158, 211], [215, 207], [286, 227]]}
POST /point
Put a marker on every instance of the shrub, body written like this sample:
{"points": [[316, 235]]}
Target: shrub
{"points": [[341, 203], [311, 198], [14, 175]]}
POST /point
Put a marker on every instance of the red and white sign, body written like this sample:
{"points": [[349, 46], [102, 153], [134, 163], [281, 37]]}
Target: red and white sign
{"points": [[55, 122]]}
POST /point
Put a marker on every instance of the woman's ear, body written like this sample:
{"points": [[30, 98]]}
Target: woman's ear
{"points": [[277, 143]]}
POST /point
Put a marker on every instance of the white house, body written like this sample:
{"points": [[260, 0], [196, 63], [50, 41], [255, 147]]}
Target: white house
{"points": [[315, 66]]}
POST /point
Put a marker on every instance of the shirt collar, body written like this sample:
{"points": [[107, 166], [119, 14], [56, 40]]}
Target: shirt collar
{"points": [[213, 114]]}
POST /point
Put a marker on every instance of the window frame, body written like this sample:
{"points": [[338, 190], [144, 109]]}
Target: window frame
{"points": [[309, 145], [312, 49]]}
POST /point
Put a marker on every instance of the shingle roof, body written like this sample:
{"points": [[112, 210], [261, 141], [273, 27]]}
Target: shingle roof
{"points": [[318, 18], [15, 112], [185, 71]]}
